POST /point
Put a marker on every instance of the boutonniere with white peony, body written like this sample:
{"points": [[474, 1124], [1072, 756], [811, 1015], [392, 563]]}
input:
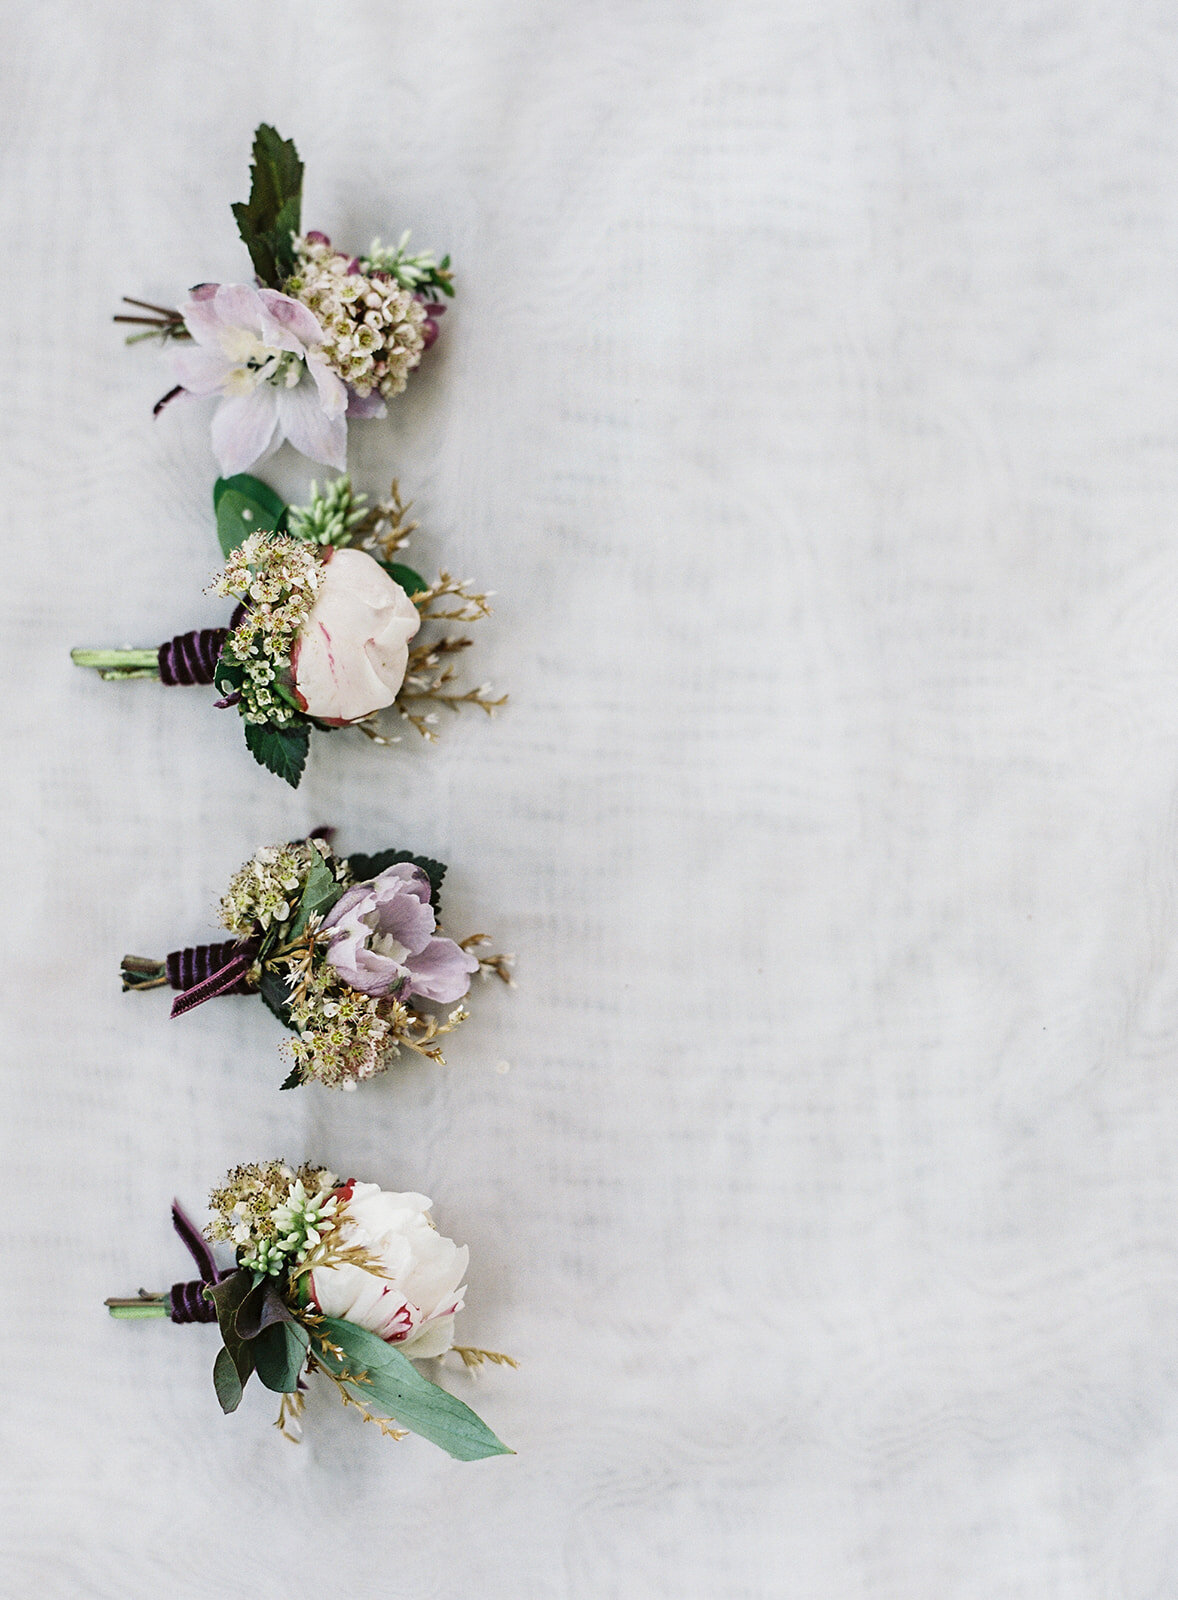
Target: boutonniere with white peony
{"points": [[344, 1281], [327, 631], [321, 336], [346, 952]]}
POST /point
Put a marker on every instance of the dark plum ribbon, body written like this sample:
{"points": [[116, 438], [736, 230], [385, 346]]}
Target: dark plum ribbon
{"points": [[225, 979], [192, 657], [187, 1301]]}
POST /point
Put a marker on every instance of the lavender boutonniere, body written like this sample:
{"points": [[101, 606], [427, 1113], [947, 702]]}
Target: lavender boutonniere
{"points": [[345, 951]]}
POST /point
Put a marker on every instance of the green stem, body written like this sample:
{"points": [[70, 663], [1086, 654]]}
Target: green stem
{"points": [[142, 1306], [119, 663]]}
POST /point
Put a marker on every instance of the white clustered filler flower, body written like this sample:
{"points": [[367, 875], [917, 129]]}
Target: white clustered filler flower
{"points": [[372, 327]]}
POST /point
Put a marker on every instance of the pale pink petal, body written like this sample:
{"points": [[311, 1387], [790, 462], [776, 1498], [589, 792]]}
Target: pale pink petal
{"points": [[244, 430], [238, 305], [201, 369], [366, 405], [289, 319], [333, 392], [309, 428], [441, 972]]}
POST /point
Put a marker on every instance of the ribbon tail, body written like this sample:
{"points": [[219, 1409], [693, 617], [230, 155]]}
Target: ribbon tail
{"points": [[222, 981], [198, 1246]]}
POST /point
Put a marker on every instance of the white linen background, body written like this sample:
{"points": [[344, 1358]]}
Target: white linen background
{"points": [[811, 402]]}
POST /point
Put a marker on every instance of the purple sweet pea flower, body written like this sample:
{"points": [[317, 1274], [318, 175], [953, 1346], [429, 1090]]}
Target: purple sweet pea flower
{"points": [[258, 350], [383, 940]]}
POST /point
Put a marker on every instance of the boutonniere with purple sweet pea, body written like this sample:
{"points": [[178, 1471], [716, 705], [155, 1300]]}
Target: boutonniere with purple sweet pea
{"points": [[321, 336], [326, 629], [346, 1282], [344, 950]]}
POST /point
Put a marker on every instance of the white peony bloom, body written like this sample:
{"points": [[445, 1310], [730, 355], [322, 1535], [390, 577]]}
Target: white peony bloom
{"points": [[412, 1307], [351, 653]]}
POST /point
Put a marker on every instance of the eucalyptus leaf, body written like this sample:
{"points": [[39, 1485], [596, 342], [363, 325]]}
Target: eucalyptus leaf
{"points": [[366, 867], [227, 1383], [262, 1307], [244, 505], [412, 582], [282, 750], [382, 1377], [228, 1296], [279, 1352]]}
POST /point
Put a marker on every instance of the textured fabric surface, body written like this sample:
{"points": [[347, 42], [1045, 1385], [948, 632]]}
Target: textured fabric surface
{"points": [[810, 403]]}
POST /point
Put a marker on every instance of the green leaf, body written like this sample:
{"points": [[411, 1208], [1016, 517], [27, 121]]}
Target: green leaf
{"points": [[229, 1387], [267, 220], [244, 505], [228, 1297], [279, 1352], [365, 867], [282, 750], [293, 1079], [275, 993], [412, 582], [262, 1307], [380, 1375], [320, 893]]}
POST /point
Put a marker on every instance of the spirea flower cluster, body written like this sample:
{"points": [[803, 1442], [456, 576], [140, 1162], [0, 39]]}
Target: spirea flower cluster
{"points": [[373, 329], [274, 1214], [342, 1036], [277, 578], [267, 889]]}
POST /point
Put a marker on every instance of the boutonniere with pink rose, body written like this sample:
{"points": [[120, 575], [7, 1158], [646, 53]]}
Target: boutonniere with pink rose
{"points": [[346, 951], [321, 336], [346, 1284], [329, 629]]}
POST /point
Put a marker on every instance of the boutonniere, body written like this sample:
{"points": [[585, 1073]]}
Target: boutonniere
{"points": [[346, 1280], [319, 337], [325, 632], [344, 950]]}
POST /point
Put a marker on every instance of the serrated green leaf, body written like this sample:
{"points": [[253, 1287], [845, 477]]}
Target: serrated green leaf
{"points": [[272, 213], [227, 1384], [412, 582], [276, 995], [293, 1079], [279, 1352], [366, 867], [320, 893], [282, 750], [382, 1377]]}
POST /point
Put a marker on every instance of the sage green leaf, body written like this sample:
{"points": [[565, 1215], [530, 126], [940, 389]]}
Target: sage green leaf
{"points": [[383, 1378], [227, 1383], [320, 893], [282, 750], [365, 867], [244, 505], [279, 1352], [412, 582]]}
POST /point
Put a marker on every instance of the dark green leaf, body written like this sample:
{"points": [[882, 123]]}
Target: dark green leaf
{"points": [[320, 893], [279, 1352], [226, 1382], [282, 750], [412, 582], [267, 220], [365, 867], [385, 1379], [293, 1079], [275, 993]]}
